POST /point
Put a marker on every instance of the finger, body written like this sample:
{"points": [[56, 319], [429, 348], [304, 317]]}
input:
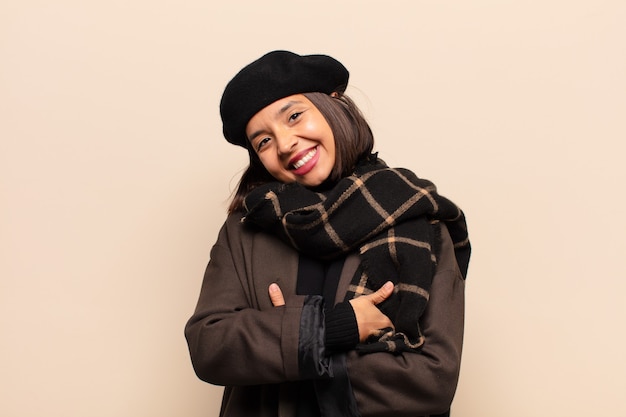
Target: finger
{"points": [[276, 295], [383, 293]]}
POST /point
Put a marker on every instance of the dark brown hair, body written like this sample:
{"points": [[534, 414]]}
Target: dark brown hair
{"points": [[353, 141]]}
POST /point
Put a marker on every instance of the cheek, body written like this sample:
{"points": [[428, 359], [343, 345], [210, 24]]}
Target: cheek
{"points": [[275, 169], [330, 145], [269, 165]]}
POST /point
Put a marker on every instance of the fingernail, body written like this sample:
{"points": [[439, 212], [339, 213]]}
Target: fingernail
{"points": [[388, 285], [273, 287]]}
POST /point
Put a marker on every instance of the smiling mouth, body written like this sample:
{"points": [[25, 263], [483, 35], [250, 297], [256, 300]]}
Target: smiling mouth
{"points": [[306, 158]]}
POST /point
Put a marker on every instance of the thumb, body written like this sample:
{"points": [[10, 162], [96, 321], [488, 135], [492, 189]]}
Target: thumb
{"points": [[276, 295], [383, 293]]}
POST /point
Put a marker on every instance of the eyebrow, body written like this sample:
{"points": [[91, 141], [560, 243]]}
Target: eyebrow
{"points": [[280, 111], [287, 106]]}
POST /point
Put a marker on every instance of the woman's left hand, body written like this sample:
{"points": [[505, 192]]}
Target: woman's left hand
{"points": [[276, 295]]}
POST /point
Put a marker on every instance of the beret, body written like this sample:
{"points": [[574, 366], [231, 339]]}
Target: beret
{"points": [[275, 75]]}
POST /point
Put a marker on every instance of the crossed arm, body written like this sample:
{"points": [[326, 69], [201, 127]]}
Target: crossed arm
{"points": [[369, 318]]}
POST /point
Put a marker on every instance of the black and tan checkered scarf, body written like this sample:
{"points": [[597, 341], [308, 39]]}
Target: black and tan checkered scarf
{"points": [[391, 217]]}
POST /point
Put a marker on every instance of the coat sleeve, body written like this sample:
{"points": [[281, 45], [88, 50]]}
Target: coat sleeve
{"points": [[418, 384], [234, 337]]}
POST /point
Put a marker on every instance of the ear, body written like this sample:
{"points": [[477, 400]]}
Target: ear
{"points": [[334, 94]]}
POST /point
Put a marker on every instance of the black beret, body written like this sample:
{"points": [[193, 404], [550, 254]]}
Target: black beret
{"points": [[275, 75]]}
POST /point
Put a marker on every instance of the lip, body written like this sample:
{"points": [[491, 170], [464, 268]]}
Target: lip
{"points": [[309, 165]]}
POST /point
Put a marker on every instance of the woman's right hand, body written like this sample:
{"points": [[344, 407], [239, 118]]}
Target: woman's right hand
{"points": [[368, 317]]}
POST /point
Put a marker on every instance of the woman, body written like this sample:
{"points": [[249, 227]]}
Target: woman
{"points": [[336, 285]]}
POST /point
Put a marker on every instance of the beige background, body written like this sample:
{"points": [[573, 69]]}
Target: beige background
{"points": [[114, 180]]}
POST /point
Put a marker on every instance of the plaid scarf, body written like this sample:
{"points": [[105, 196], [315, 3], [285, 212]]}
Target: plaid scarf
{"points": [[391, 217]]}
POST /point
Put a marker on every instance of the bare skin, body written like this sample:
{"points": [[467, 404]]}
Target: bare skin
{"points": [[368, 317]]}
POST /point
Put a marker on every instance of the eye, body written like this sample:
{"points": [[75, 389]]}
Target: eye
{"points": [[261, 143], [294, 116]]}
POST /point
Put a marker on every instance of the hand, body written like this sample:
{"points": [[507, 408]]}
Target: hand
{"points": [[276, 295], [368, 317]]}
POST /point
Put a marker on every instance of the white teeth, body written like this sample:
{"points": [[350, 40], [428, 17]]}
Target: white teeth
{"points": [[306, 158]]}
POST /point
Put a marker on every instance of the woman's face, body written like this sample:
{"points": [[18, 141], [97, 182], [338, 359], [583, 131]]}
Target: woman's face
{"points": [[293, 141]]}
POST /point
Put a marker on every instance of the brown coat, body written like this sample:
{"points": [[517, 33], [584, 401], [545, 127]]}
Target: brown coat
{"points": [[238, 339]]}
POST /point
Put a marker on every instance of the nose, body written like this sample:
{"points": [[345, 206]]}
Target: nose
{"points": [[286, 142]]}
